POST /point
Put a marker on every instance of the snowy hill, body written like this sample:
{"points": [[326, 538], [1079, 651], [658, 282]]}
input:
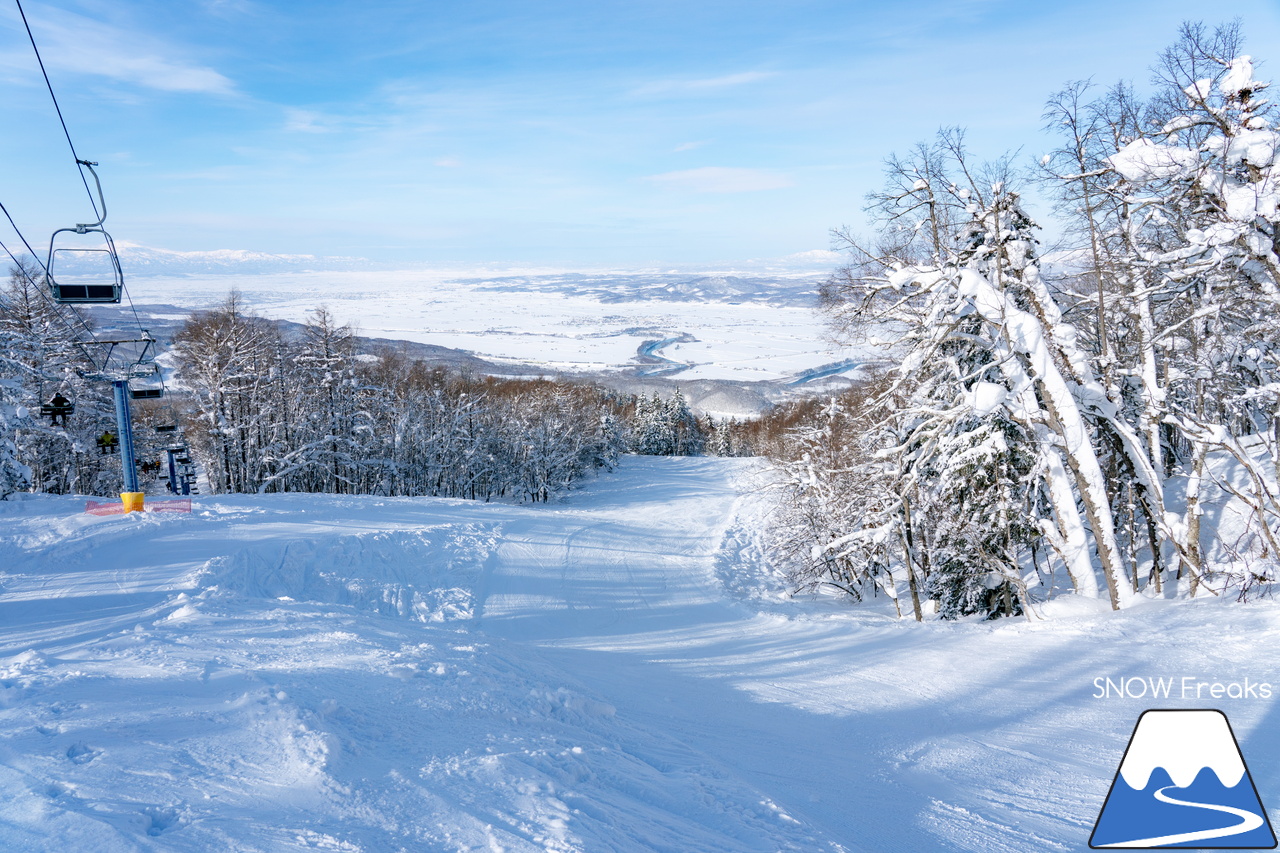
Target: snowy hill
{"points": [[615, 671]]}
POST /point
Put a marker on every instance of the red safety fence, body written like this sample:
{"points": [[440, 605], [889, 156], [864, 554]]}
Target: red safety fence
{"points": [[117, 507]]}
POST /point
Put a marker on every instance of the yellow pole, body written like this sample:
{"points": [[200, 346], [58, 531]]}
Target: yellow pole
{"points": [[132, 501]]}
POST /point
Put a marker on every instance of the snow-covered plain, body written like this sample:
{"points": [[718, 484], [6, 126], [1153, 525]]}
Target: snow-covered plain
{"points": [[616, 671], [742, 328]]}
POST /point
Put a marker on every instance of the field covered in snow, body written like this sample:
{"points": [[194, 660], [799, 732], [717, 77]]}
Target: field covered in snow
{"points": [[708, 326], [616, 671]]}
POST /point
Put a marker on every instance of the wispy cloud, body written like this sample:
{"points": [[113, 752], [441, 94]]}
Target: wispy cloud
{"points": [[227, 8], [700, 85], [306, 121], [72, 42], [689, 146], [720, 179]]}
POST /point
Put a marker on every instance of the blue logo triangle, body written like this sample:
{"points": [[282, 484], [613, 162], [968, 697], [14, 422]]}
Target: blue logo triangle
{"points": [[1183, 783]]}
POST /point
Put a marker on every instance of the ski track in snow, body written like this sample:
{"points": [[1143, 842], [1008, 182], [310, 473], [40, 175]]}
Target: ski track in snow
{"points": [[615, 671]]}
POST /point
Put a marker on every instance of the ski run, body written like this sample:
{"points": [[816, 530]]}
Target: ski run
{"points": [[617, 670]]}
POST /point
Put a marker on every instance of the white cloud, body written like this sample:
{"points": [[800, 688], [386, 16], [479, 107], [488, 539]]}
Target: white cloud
{"points": [[306, 121], [706, 84], [719, 179], [689, 146], [72, 42], [816, 256]]}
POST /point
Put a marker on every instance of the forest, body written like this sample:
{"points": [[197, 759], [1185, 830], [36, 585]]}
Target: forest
{"points": [[1061, 413], [264, 411]]}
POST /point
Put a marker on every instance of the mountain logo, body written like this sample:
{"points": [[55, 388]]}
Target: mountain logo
{"points": [[1183, 783]]}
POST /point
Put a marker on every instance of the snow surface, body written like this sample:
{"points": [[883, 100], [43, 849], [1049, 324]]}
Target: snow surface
{"points": [[616, 671], [740, 328]]}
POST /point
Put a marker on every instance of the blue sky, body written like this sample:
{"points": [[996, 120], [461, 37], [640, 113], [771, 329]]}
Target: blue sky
{"points": [[578, 134]]}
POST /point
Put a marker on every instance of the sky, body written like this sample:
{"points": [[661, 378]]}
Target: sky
{"points": [[568, 134]]}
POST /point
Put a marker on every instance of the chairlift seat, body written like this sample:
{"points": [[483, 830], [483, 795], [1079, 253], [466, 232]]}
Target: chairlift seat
{"points": [[104, 287], [108, 443], [48, 409], [146, 393], [84, 294], [58, 407]]}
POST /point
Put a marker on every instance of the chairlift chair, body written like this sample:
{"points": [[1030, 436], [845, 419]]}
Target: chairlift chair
{"points": [[58, 407], [108, 281], [108, 443], [145, 381], [149, 387]]}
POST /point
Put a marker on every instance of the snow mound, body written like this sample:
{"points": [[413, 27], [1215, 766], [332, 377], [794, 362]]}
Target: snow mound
{"points": [[420, 575]]}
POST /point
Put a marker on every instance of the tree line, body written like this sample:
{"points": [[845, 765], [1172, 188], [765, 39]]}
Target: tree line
{"points": [[40, 357], [266, 410], [1061, 418]]}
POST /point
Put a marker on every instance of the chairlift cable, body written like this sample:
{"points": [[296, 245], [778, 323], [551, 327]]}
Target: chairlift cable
{"points": [[80, 164], [18, 231], [75, 336], [57, 108], [56, 306], [134, 309]]}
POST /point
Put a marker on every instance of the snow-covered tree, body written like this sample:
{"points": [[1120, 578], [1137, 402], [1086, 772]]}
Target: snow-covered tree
{"points": [[1078, 416], [666, 427], [227, 356], [1182, 220], [42, 355]]}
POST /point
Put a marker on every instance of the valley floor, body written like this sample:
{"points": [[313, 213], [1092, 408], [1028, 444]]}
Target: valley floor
{"points": [[616, 671]]}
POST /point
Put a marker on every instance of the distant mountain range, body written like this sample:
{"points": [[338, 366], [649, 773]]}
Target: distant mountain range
{"points": [[144, 260], [793, 280]]}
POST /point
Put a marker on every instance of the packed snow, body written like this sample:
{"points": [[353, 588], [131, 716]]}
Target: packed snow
{"points": [[618, 670]]}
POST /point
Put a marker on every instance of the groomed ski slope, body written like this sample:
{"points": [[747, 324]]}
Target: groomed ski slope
{"points": [[616, 671]]}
